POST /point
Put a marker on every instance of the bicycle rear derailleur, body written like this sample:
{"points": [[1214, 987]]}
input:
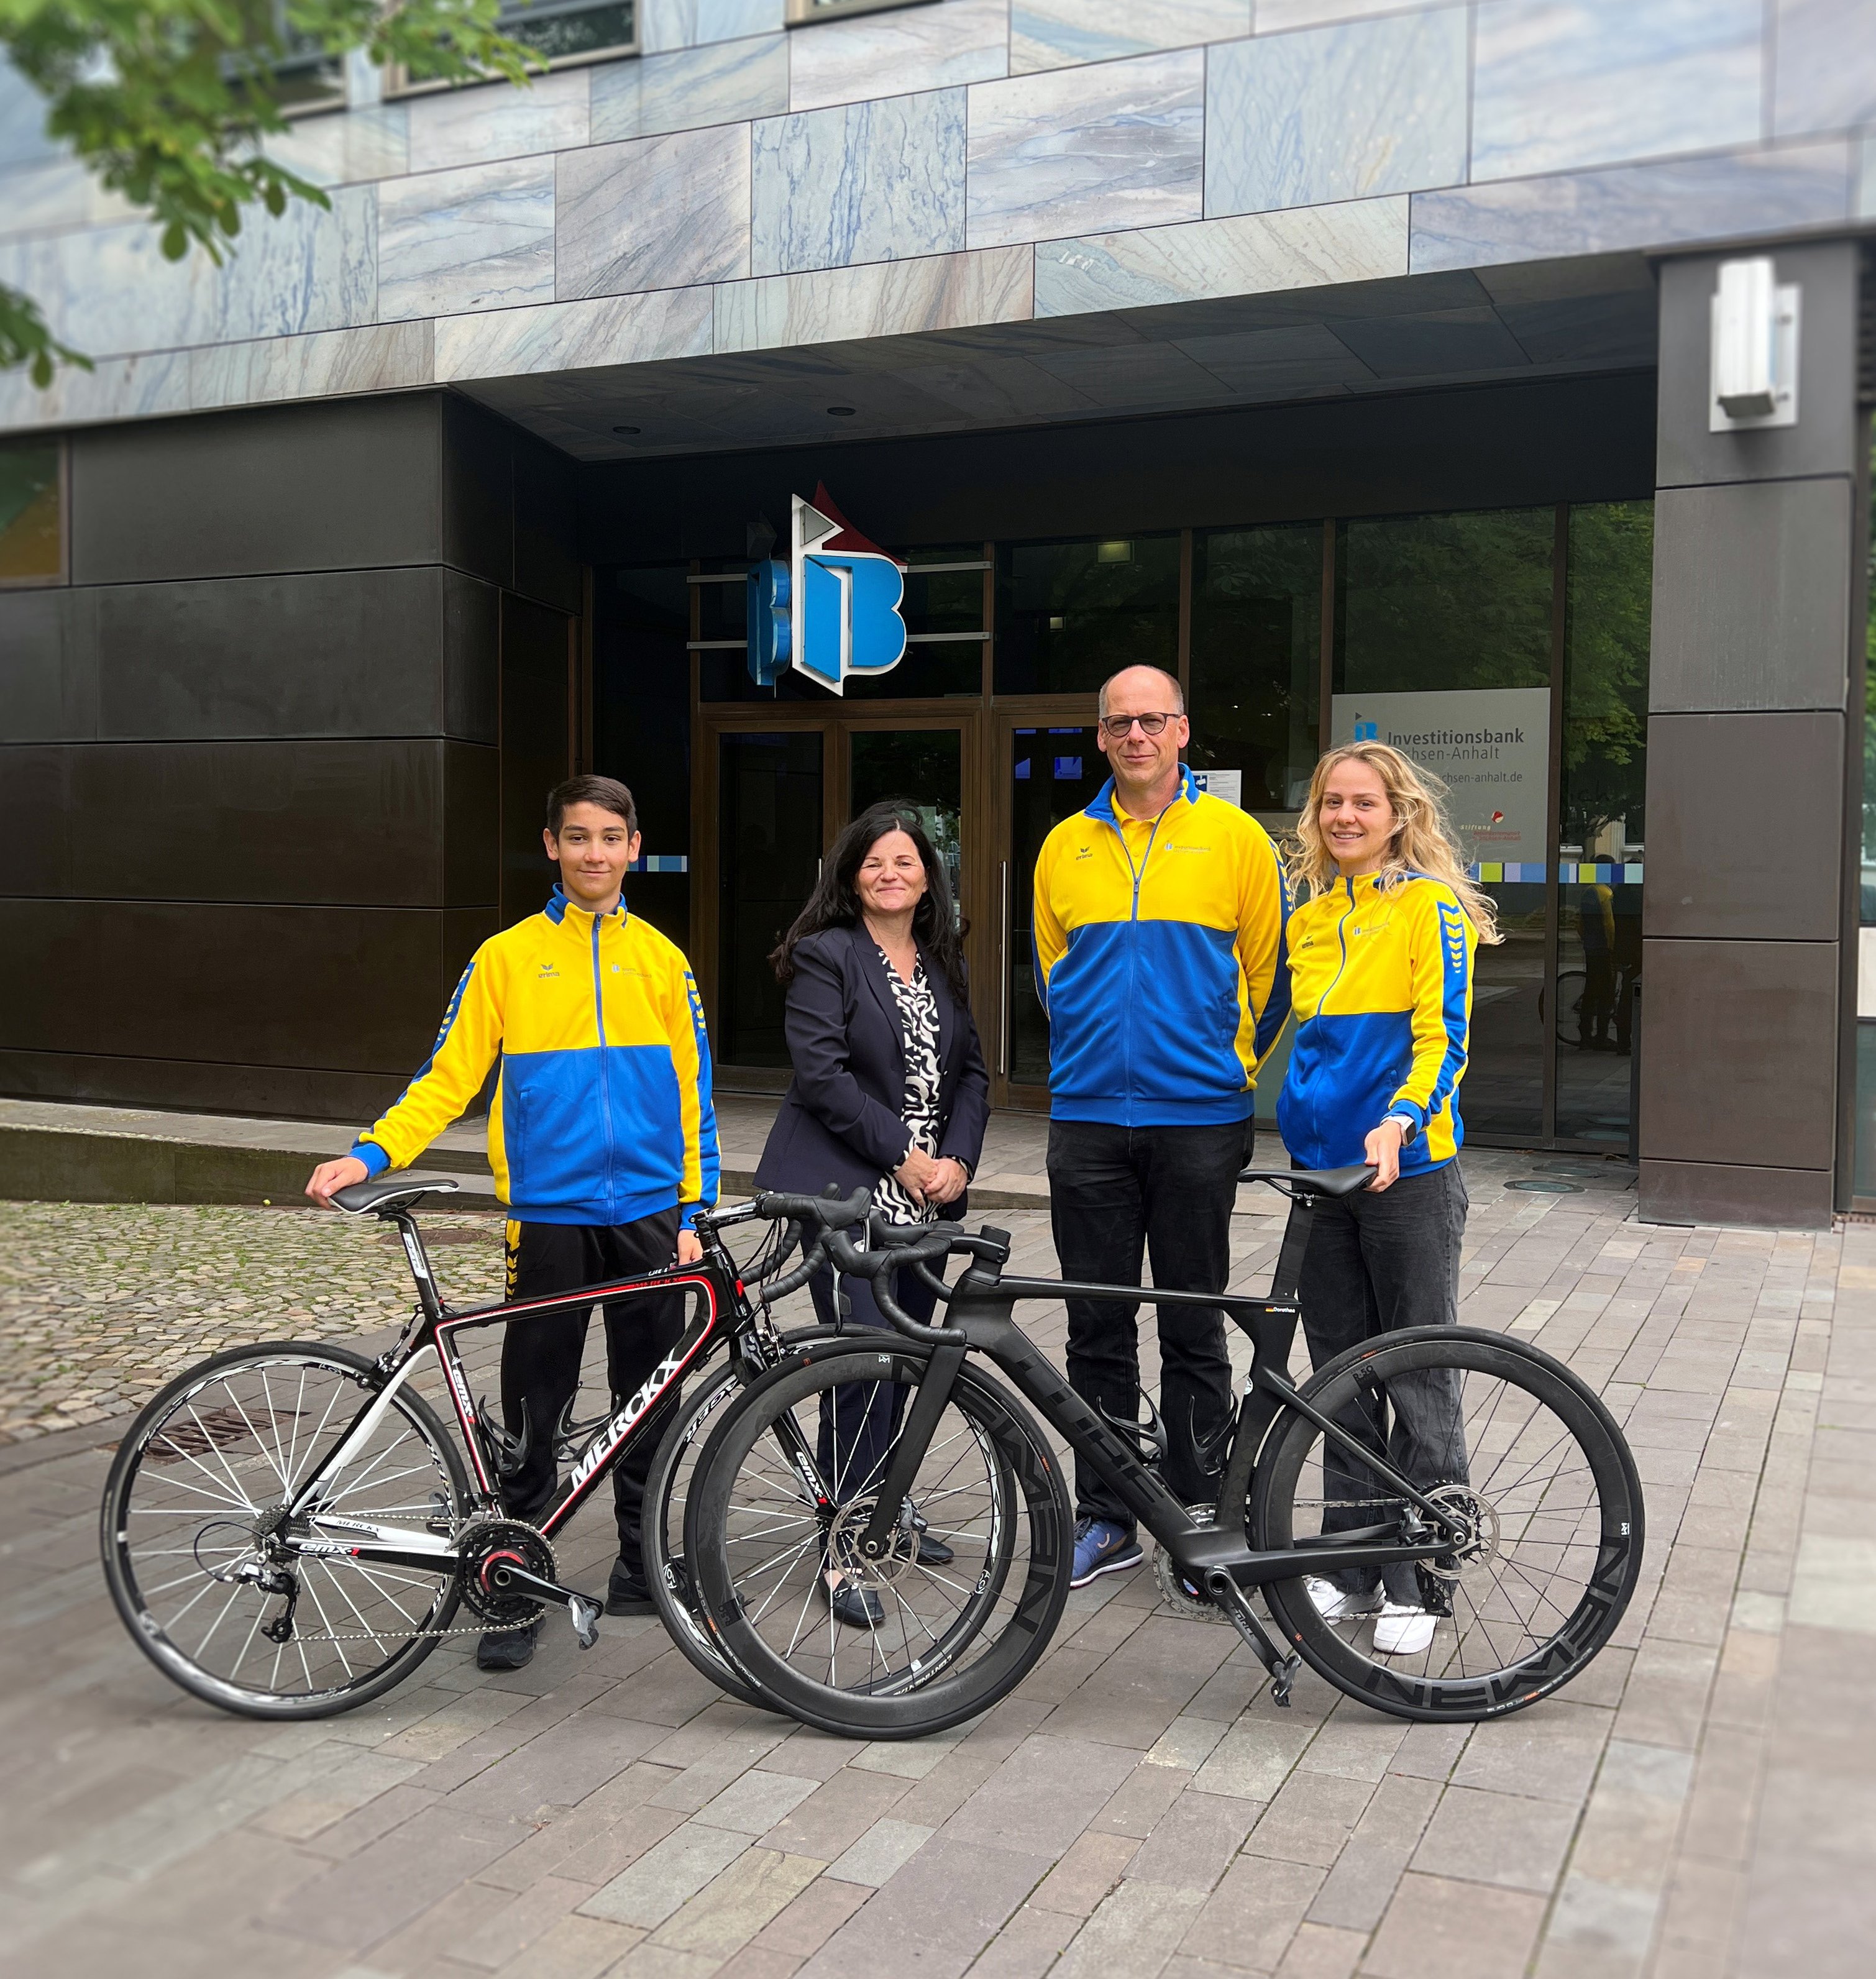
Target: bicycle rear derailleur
{"points": [[509, 1573]]}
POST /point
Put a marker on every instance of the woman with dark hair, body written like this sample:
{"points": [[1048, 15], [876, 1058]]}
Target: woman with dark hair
{"points": [[890, 1093]]}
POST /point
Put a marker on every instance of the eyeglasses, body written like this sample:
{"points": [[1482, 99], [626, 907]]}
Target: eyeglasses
{"points": [[1118, 725]]}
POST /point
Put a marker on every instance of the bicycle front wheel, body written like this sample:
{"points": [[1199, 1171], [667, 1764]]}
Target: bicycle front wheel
{"points": [[975, 1572], [211, 1579], [1545, 1487]]}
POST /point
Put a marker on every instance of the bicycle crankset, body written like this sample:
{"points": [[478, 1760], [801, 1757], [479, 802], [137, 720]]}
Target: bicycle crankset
{"points": [[509, 1573], [1175, 1589]]}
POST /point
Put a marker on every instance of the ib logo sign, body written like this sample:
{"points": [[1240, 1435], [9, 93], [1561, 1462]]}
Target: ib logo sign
{"points": [[832, 609], [1366, 731]]}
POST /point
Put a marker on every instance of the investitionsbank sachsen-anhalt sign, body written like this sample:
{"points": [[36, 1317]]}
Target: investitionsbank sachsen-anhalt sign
{"points": [[831, 609], [1490, 745]]}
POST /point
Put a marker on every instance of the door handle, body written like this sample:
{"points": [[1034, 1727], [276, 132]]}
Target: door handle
{"points": [[1002, 1026]]}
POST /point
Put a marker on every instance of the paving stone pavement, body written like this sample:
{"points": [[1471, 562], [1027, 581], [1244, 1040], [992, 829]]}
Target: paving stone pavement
{"points": [[1702, 1802]]}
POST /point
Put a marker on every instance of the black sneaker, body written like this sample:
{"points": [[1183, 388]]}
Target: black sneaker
{"points": [[858, 1607], [508, 1649], [931, 1552], [627, 1593]]}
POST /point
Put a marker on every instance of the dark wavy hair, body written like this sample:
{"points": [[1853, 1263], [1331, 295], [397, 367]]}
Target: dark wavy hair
{"points": [[835, 901]]}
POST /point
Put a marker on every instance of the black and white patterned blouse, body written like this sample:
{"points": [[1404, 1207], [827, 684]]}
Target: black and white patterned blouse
{"points": [[918, 1023]]}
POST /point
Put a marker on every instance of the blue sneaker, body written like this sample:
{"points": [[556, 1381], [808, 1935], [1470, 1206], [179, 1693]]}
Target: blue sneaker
{"points": [[1102, 1546]]}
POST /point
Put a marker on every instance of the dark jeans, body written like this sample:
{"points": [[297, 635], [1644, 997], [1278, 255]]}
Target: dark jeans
{"points": [[1118, 1193], [541, 1357], [859, 1419], [1377, 1263]]}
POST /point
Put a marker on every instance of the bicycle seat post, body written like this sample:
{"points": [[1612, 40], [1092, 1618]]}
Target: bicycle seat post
{"points": [[1288, 1276], [428, 1298]]}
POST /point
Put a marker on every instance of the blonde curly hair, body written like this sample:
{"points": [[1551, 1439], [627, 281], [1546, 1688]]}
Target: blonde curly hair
{"points": [[1423, 841]]}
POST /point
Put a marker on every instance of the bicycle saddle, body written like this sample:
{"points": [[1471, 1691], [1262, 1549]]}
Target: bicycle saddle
{"points": [[387, 1191], [1305, 1181]]}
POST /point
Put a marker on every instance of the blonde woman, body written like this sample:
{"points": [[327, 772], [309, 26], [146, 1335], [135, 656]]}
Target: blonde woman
{"points": [[1382, 948]]}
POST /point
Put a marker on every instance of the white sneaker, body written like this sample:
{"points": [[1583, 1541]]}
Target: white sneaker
{"points": [[1402, 1631], [1334, 1603]]}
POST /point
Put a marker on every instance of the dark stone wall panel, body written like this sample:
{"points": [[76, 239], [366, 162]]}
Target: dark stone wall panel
{"points": [[1751, 596], [478, 491], [471, 826], [286, 1093], [1739, 1053], [1744, 812], [546, 524], [48, 665], [1708, 1192], [319, 823], [337, 653], [1821, 442], [349, 484], [328, 989], [472, 659]]}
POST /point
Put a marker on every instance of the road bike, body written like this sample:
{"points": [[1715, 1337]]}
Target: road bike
{"points": [[1526, 1553], [290, 1528]]}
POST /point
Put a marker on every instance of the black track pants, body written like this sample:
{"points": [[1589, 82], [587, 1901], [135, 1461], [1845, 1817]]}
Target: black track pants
{"points": [[541, 1357]]}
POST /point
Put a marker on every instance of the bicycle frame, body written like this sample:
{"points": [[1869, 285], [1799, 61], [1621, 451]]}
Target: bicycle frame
{"points": [[432, 1330]]}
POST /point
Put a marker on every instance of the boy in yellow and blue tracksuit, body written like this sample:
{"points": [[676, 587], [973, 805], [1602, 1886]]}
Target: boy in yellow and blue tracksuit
{"points": [[1159, 960], [602, 1138], [1380, 975]]}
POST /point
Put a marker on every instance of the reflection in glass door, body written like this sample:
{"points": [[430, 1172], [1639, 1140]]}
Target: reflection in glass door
{"points": [[1050, 775], [924, 768], [769, 854]]}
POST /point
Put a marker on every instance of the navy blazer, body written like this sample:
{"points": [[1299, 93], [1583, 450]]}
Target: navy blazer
{"points": [[841, 1121]]}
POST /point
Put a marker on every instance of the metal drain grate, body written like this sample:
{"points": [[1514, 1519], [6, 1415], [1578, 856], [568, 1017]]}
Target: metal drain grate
{"points": [[1547, 1185], [219, 1430]]}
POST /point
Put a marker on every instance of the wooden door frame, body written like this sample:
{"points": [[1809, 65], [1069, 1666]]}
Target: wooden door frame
{"points": [[835, 724]]}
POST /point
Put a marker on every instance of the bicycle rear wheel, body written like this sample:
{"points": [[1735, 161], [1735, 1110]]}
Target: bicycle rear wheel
{"points": [[199, 1561], [1549, 1491], [769, 1552]]}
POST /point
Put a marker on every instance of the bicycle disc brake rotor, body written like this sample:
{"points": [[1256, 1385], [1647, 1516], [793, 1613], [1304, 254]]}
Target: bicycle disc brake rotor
{"points": [[1172, 1588], [1481, 1523], [486, 1544], [844, 1557]]}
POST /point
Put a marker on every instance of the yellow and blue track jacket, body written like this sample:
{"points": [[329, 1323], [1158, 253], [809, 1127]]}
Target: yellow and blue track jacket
{"points": [[1381, 975], [1159, 960], [602, 1113]]}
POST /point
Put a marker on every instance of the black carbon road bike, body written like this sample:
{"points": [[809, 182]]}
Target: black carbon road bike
{"points": [[1526, 1557], [290, 1528]]}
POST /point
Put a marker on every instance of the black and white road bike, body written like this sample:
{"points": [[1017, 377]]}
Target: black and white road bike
{"points": [[290, 1528]]}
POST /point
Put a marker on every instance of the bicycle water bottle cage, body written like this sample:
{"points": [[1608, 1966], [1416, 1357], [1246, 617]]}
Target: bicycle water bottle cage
{"points": [[571, 1436], [1149, 1438], [509, 1451]]}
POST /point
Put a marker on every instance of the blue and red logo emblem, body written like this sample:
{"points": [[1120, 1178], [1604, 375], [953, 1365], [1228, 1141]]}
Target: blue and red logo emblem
{"points": [[832, 609]]}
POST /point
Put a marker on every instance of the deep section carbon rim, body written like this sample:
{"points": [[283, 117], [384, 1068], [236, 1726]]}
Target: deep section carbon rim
{"points": [[910, 1643], [204, 1570], [1545, 1490]]}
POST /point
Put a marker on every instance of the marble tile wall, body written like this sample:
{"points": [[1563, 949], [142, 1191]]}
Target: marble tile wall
{"points": [[654, 213], [1115, 144], [739, 185], [1336, 113], [879, 181]]}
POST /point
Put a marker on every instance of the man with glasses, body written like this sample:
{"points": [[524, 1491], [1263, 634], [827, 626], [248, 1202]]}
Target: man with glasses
{"points": [[1159, 959]]}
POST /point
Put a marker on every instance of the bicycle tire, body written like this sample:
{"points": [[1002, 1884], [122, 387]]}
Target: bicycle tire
{"points": [[231, 1434], [1529, 1526], [957, 1674], [1569, 1008], [666, 1492]]}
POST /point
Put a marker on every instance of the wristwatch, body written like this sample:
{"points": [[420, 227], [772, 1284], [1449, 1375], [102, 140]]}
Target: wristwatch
{"points": [[1410, 1127]]}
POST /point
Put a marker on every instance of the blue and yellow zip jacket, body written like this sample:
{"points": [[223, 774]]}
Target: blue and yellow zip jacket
{"points": [[602, 1113], [1159, 959], [1381, 974]]}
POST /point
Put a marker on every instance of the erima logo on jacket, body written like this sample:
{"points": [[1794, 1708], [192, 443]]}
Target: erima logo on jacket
{"points": [[1159, 960], [603, 1112], [1381, 977]]}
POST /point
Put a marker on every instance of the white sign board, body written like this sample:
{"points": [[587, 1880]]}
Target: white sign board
{"points": [[1491, 746], [1228, 784]]}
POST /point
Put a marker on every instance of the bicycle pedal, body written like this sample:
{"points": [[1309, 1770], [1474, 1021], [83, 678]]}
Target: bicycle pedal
{"points": [[1243, 1617], [584, 1612]]}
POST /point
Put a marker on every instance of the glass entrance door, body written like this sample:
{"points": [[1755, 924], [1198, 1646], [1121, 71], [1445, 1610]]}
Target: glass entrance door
{"points": [[1047, 774], [783, 792]]}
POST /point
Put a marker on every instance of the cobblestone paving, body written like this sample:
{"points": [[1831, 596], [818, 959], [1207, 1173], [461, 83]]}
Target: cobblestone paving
{"points": [[100, 1303], [1700, 1803]]}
